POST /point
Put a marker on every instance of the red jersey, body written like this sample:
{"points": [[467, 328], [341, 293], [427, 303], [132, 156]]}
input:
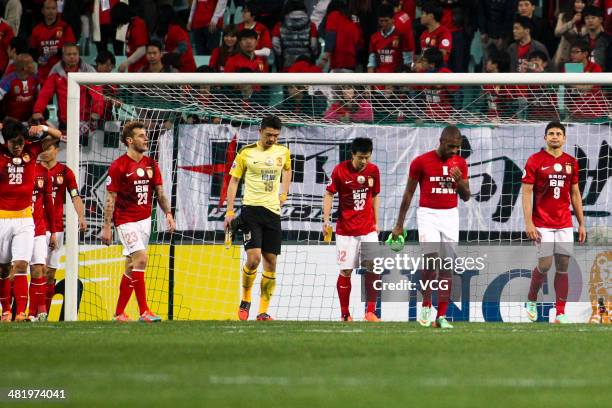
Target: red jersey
{"points": [[105, 9], [202, 12], [137, 36], [388, 50], [134, 183], [304, 66], [17, 175], [355, 189], [440, 38], [349, 40], [439, 98], [240, 60], [177, 40], [438, 189], [49, 40], [42, 202], [403, 24], [6, 35], [62, 181], [522, 53], [19, 96], [497, 96], [263, 35], [552, 179]]}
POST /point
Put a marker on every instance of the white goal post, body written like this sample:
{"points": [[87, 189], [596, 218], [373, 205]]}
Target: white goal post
{"points": [[76, 80]]}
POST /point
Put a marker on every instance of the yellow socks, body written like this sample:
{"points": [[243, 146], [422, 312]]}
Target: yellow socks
{"points": [[248, 277], [268, 283]]}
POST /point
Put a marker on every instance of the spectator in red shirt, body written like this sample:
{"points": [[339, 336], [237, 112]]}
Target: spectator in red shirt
{"points": [[523, 45], [498, 97], [403, 23], [388, 52], [205, 23], [176, 38], [6, 35], [343, 39], [18, 45], [435, 35], [350, 107], [107, 31], [48, 38], [92, 102], [19, 89], [228, 47], [105, 63], [136, 37], [541, 99], [245, 58], [439, 100], [585, 101], [264, 41], [304, 64]]}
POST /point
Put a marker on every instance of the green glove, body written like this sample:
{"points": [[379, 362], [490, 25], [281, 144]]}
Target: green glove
{"points": [[398, 243]]}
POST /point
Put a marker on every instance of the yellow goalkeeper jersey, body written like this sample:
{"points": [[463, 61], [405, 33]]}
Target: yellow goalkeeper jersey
{"points": [[262, 170]]}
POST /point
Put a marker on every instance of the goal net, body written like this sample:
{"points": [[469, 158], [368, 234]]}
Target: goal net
{"points": [[198, 122]]}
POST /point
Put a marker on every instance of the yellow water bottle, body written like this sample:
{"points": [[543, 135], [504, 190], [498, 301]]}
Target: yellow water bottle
{"points": [[327, 237]]}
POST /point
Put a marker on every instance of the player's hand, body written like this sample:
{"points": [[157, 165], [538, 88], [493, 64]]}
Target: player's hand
{"points": [[397, 231], [170, 223], [456, 174], [228, 219], [82, 224], [107, 235], [581, 234], [532, 232], [325, 226], [123, 67], [36, 130], [212, 27], [53, 241]]}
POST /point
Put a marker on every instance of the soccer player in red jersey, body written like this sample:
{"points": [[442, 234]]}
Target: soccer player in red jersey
{"points": [[17, 177], [435, 34], [48, 38], [19, 89], [388, 51], [442, 175], [43, 211], [550, 184], [264, 41], [357, 182], [62, 181], [130, 183]]}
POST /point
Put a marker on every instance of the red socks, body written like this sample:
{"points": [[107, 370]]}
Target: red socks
{"points": [[20, 291], [371, 292], [5, 294], [445, 281], [125, 292], [561, 290], [344, 293], [50, 292], [537, 278], [139, 289], [427, 276], [37, 296]]}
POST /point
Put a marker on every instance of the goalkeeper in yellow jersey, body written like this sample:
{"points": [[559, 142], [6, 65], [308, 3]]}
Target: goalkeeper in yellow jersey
{"points": [[261, 164]]}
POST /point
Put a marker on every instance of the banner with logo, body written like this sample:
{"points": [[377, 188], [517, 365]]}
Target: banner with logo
{"points": [[495, 155]]}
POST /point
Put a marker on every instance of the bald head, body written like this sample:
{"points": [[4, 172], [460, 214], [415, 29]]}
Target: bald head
{"points": [[450, 142], [450, 132]]}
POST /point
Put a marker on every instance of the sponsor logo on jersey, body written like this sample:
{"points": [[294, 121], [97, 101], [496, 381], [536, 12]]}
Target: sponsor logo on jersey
{"points": [[361, 179], [140, 172], [17, 161], [558, 167], [40, 182], [26, 157], [568, 168], [59, 179], [269, 161], [395, 42], [370, 182], [445, 42], [109, 180], [150, 172], [16, 90]]}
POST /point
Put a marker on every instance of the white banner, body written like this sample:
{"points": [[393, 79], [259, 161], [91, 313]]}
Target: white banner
{"points": [[495, 155]]}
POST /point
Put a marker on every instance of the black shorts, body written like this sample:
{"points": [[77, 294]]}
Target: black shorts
{"points": [[261, 228]]}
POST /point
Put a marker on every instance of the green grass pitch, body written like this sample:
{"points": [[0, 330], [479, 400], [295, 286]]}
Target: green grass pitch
{"points": [[306, 364]]}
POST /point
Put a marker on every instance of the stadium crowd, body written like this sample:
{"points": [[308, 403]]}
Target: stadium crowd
{"points": [[42, 40]]}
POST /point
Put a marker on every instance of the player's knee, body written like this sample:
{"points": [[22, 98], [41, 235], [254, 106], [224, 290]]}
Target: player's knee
{"points": [[36, 271], [346, 272], [544, 264], [50, 274], [562, 263], [20, 266]]}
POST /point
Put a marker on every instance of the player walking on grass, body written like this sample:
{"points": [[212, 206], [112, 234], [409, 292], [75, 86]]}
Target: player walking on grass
{"points": [[130, 183], [550, 184], [17, 177], [442, 175], [62, 181], [357, 182], [43, 211], [262, 164]]}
